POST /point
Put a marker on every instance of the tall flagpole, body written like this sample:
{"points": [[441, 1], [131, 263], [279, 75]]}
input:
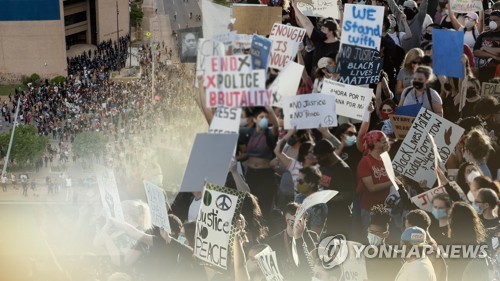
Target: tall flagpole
{"points": [[6, 162]]}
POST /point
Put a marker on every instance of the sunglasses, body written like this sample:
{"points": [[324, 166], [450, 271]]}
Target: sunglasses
{"points": [[349, 133]]}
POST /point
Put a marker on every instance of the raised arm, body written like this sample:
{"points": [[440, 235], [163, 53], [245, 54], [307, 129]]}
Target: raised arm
{"points": [[273, 119], [278, 150], [453, 19], [408, 34], [302, 19], [207, 112], [364, 128]]}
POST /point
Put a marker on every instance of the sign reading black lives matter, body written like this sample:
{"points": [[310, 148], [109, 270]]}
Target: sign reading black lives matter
{"points": [[359, 65], [215, 229], [415, 158]]}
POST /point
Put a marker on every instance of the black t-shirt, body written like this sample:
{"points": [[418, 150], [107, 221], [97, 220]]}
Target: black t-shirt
{"points": [[322, 49], [487, 39]]}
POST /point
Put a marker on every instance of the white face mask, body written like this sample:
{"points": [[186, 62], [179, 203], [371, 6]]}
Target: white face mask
{"points": [[252, 266], [469, 23], [493, 25], [472, 176], [392, 23], [374, 240], [243, 122], [470, 196], [467, 156]]}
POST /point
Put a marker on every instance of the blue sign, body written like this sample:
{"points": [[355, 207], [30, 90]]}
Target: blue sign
{"points": [[409, 110], [260, 49], [29, 10], [447, 51]]}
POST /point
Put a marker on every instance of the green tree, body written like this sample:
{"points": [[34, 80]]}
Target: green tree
{"points": [[27, 146], [89, 144], [136, 14]]}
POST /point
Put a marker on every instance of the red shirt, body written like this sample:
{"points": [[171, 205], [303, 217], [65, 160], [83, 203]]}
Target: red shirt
{"points": [[371, 167]]}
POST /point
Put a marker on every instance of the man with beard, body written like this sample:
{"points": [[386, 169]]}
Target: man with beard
{"points": [[336, 175], [415, 16]]}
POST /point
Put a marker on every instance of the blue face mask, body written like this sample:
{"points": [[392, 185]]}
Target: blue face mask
{"points": [[263, 123], [330, 69], [439, 213], [182, 239], [477, 208], [292, 140], [350, 140]]}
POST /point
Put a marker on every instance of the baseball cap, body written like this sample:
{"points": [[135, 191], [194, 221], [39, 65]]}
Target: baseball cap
{"points": [[323, 147], [414, 235], [472, 16], [410, 4], [323, 62], [330, 25]]}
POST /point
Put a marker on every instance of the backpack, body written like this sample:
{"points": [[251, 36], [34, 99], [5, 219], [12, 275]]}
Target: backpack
{"points": [[428, 94]]}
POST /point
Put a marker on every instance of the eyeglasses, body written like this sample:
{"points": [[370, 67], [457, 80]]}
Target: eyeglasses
{"points": [[387, 110], [416, 62], [349, 133]]}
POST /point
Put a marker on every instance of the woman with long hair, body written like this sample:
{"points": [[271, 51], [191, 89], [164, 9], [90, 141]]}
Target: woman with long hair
{"points": [[411, 61]]}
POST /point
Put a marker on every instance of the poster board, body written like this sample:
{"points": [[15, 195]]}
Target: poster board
{"points": [[188, 43], [401, 125], [287, 82], [157, 206], [286, 40], [226, 121], [320, 8], [362, 25], [255, 19], [351, 101], [490, 89], [110, 198], [466, 6], [309, 111]]}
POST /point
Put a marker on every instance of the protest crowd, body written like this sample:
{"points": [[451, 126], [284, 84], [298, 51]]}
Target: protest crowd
{"points": [[398, 150]]}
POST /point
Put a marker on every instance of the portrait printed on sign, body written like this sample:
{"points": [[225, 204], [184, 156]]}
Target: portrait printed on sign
{"points": [[188, 43]]}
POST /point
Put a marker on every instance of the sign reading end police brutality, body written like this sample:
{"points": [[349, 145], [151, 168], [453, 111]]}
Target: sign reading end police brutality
{"points": [[286, 40], [415, 158], [362, 26], [231, 81], [214, 226], [309, 111]]}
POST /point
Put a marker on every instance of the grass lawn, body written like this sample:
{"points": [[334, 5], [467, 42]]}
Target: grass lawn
{"points": [[5, 90]]}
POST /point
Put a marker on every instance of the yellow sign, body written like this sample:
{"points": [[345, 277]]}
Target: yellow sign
{"points": [[148, 34]]}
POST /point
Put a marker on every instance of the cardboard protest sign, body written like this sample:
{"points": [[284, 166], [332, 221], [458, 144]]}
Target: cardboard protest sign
{"points": [[286, 83], [216, 18], [362, 26], [261, 47], [207, 48], [359, 65], [258, 19], [209, 159], [226, 121], [188, 43], [267, 262], [157, 206], [351, 101], [386, 159], [226, 37], [490, 89], [415, 157], [452, 174], [319, 197], [466, 6], [447, 51], [286, 40], [243, 41], [320, 8], [424, 200], [401, 125], [354, 267], [110, 198], [309, 111], [230, 81], [215, 225]]}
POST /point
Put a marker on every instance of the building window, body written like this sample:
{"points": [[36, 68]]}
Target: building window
{"points": [[75, 18]]}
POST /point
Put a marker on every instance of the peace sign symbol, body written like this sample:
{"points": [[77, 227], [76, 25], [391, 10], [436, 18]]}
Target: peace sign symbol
{"points": [[223, 202], [329, 120]]}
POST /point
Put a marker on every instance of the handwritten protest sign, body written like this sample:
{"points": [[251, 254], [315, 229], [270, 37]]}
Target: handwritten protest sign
{"points": [[207, 48], [286, 83], [386, 159], [424, 200], [243, 41], [230, 81], [258, 19], [309, 111], [286, 40], [359, 65], [157, 206], [209, 159], [215, 224], [401, 125], [268, 263], [320, 8], [447, 51], [351, 101], [226, 121], [466, 6], [110, 198], [415, 157], [261, 47], [216, 18], [362, 26], [354, 267], [226, 38], [490, 89]]}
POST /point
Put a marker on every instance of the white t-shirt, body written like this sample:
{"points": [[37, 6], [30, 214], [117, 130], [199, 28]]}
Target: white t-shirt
{"points": [[469, 39], [396, 39], [410, 98], [294, 168], [193, 210], [418, 270]]}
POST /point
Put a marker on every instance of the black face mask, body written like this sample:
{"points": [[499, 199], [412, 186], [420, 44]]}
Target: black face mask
{"points": [[418, 85], [292, 140], [410, 14], [471, 93], [324, 160], [428, 37], [447, 86]]}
